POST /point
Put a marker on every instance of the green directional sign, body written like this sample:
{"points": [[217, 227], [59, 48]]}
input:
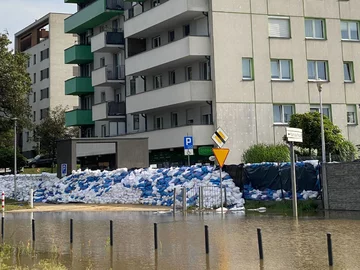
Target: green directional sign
{"points": [[205, 151]]}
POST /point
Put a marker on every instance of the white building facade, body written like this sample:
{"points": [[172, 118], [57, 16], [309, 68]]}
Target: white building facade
{"points": [[243, 65], [44, 41]]}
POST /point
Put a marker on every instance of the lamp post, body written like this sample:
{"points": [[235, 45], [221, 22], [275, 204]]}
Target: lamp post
{"points": [[15, 158], [323, 153]]}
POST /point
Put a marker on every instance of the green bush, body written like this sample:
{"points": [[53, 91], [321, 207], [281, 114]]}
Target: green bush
{"points": [[7, 158], [347, 151], [267, 153]]}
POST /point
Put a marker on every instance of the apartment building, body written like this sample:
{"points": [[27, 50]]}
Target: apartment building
{"points": [[243, 65], [44, 41]]}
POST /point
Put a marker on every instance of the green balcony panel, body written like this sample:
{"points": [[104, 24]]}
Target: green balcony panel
{"points": [[75, 1], [79, 54], [78, 118], [78, 86], [93, 15]]}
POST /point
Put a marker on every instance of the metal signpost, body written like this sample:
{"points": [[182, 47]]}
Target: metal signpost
{"points": [[293, 135], [220, 138], [63, 170], [188, 147]]}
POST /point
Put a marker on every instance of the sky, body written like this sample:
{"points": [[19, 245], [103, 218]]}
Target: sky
{"points": [[17, 14]]}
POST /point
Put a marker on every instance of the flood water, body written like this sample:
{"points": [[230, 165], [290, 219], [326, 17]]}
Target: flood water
{"points": [[288, 244]]}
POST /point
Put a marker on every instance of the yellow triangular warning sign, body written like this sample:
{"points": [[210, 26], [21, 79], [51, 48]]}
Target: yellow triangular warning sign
{"points": [[221, 155]]}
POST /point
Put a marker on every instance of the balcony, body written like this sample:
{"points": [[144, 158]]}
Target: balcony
{"points": [[74, 1], [93, 15], [78, 54], [108, 42], [108, 76], [174, 137], [168, 15], [108, 110], [78, 118], [78, 86], [175, 54], [179, 94]]}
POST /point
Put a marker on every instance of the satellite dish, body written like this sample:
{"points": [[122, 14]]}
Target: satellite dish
{"points": [[212, 158]]}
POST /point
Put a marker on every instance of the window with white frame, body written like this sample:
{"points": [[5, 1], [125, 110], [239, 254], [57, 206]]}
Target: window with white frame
{"points": [[349, 30], [283, 113], [317, 70], [348, 72], [205, 70], [315, 28], [136, 122], [103, 130], [156, 42], [281, 69], [351, 114], [132, 86], [157, 81], [326, 110], [27, 136], [174, 119], [172, 77], [188, 73], [247, 69], [159, 122], [279, 27]]}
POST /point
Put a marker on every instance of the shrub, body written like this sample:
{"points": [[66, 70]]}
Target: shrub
{"points": [[347, 151], [267, 153]]}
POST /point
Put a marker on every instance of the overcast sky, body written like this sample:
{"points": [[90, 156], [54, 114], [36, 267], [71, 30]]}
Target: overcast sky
{"points": [[17, 14]]}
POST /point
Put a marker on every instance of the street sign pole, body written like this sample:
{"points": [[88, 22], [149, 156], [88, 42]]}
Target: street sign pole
{"points": [[293, 179], [221, 192], [189, 158]]}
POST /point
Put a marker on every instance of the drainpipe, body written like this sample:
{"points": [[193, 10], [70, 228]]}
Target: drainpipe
{"points": [[211, 112]]}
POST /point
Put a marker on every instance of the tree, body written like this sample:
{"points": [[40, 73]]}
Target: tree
{"points": [[267, 153], [15, 86], [51, 129], [335, 143], [7, 158]]}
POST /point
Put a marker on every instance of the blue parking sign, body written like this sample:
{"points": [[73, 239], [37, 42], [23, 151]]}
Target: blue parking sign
{"points": [[63, 169], [188, 142]]}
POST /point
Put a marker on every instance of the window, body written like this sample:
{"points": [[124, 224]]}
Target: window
{"points": [[186, 29], [34, 97], [44, 113], [102, 62], [132, 86], [174, 119], [351, 114], [247, 69], [103, 130], [34, 58], [349, 30], [348, 72], [281, 70], [172, 77], [157, 82], [136, 122], [188, 73], [190, 117], [34, 78], [27, 136], [44, 74], [155, 3], [28, 63], [317, 70], [171, 36], [156, 42], [315, 28], [283, 113], [44, 54], [44, 93], [326, 110], [34, 116], [103, 97], [205, 71], [206, 119], [279, 27], [159, 122]]}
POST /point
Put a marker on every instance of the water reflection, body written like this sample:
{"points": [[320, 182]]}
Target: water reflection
{"points": [[288, 243]]}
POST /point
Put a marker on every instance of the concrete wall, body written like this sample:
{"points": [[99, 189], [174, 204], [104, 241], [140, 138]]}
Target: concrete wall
{"points": [[343, 186], [244, 109]]}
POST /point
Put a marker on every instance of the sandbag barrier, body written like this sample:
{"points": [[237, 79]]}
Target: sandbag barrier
{"points": [[122, 186]]}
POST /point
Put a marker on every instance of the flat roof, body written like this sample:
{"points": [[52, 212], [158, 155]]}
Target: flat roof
{"points": [[38, 22]]}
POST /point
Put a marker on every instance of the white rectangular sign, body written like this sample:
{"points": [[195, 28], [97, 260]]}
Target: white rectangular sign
{"points": [[294, 134], [188, 152]]}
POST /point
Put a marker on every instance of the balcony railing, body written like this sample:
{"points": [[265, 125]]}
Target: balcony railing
{"points": [[115, 4], [116, 108], [115, 38], [117, 73]]}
